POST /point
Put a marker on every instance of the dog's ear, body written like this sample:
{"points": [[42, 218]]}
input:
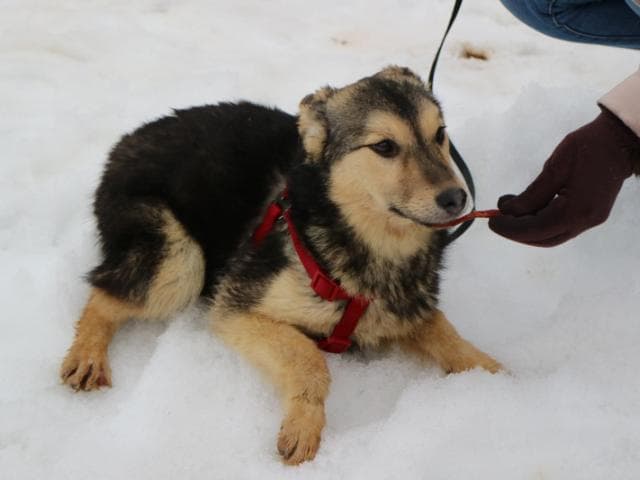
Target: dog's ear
{"points": [[313, 124], [400, 74]]}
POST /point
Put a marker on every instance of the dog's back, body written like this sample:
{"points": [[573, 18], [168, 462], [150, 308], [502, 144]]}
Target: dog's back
{"points": [[212, 168], [369, 175]]}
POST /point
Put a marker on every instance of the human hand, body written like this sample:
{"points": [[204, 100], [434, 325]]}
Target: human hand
{"points": [[577, 187]]}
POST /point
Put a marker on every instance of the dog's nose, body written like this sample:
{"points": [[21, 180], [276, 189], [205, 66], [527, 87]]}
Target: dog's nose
{"points": [[452, 200]]}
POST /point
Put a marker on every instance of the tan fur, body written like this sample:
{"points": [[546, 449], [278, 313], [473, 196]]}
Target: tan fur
{"points": [[291, 300], [363, 185], [311, 122], [340, 98], [270, 337], [377, 328], [271, 331], [86, 365], [429, 120], [177, 284], [381, 125], [400, 74], [352, 184], [298, 369], [180, 277], [437, 340], [418, 197]]}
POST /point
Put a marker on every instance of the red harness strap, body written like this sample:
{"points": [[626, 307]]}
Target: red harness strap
{"points": [[321, 283]]}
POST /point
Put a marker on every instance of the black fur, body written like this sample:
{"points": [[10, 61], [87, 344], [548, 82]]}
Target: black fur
{"points": [[212, 166], [397, 97], [251, 270], [407, 291]]}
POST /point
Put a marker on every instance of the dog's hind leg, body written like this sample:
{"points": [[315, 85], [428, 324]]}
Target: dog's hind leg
{"points": [[297, 367], [437, 340], [161, 275]]}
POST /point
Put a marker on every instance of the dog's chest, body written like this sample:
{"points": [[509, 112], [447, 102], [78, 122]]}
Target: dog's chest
{"points": [[290, 299]]}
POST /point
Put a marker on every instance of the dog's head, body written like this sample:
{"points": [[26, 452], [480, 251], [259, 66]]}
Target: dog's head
{"points": [[384, 143]]}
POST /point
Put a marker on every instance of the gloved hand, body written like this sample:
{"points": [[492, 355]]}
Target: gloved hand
{"points": [[577, 187]]}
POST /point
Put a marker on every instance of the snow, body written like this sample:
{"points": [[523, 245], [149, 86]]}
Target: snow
{"points": [[74, 75]]}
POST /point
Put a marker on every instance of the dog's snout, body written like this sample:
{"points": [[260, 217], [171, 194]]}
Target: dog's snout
{"points": [[452, 200]]}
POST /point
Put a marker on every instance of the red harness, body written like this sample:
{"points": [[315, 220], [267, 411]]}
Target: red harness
{"points": [[321, 283]]}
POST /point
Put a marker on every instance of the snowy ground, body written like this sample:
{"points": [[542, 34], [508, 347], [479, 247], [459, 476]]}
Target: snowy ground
{"points": [[76, 74]]}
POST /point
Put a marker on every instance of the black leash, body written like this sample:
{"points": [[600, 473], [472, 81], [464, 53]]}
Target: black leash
{"points": [[457, 158]]}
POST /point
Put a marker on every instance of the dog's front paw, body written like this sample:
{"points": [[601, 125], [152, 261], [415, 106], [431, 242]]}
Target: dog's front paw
{"points": [[85, 369], [300, 433], [473, 359], [490, 364]]}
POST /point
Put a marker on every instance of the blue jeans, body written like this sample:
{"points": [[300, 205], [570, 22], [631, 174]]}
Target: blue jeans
{"points": [[606, 22]]}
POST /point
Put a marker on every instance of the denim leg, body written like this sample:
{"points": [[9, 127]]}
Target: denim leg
{"points": [[635, 5], [605, 22]]}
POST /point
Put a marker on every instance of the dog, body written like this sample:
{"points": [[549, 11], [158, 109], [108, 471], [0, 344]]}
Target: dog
{"points": [[368, 175]]}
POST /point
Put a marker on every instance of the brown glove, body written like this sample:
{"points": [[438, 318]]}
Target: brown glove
{"points": [[577, 187]]}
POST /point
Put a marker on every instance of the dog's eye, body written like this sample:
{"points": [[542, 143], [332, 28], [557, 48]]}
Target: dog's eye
{"points": [[385, 148], [440, 135]]}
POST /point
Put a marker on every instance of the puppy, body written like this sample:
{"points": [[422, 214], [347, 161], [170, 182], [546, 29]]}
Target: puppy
{"points": [[368, 173]]}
